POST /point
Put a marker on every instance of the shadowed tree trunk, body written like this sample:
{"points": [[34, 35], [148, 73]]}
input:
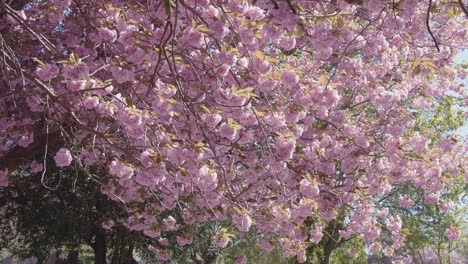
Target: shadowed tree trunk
{"points": [[333, 241], [72, 257], [99, 247], [123, 253]]}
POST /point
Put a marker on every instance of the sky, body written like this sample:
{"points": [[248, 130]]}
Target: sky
{"points": [[461, 57]]}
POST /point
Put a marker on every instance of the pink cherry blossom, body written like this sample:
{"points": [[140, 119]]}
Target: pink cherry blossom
{"points": [[241, 259], [184, 240], [63, 157], [222, 242], [394, 224], [452, 233], [285, 149], [264, 113], [242, 221], [36, 166], [289, 77], [352, 253], [47, 72], [309, 189], [405, 201], [107, 34]]}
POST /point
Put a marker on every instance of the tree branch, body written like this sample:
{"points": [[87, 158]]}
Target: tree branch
{"points": [[428, 26], [462, 6]]}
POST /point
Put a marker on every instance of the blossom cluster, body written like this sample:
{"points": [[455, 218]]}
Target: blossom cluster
{"points": [[265, 113]]}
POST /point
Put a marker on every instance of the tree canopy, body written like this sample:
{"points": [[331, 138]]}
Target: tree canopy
{"points": [[292, 120]]}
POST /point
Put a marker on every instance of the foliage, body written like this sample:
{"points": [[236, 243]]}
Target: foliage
{"points": [[288, 120]]}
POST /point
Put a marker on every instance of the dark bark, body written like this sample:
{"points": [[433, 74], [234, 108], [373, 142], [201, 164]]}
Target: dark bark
{"points": [[328, 250], [17, 4], [123, 253], [333, 241], [72, 257], [99, 247]]}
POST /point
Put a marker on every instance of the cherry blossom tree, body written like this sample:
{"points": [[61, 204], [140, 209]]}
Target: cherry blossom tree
{"points": [[280, 116]]}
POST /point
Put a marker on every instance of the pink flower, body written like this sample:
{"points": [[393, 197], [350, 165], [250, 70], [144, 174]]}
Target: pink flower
{"points": [[287, 43], [241, 259], [184, 240], [163, 241], [75, 72], [36, 167], [146, 158], [192, 38], [26, 140], [219, 29], [375, 247], [126, 38], [431, 198], [153, 249], [122, 75], [90, 102], [228, 59], [285, 149], [107, 34], [242, 221], [211, 119], [308, 189], [222, 241], [394, 224], [247, 36], [131, 118], [165, 255], [108, 224], [405, 202], [223, 70], [208, 180], [289, 77], [382, 213], [47, 72], [63, 157], [228, 131], [452, 233], [352, 253], [76, 85], [254, 13], [211, 11], [120, 170], [265, 245], [316, 236], [170, 223], [388, 251], [444, 206]]}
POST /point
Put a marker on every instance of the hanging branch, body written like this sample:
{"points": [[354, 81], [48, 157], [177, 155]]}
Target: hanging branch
{"points": [[428, 26], [463, 7]]}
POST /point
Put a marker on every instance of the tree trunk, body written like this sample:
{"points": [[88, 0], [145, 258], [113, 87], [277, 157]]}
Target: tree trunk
{"points": [[328, 250], [72, 257], [100, 250], [123, 253]]}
